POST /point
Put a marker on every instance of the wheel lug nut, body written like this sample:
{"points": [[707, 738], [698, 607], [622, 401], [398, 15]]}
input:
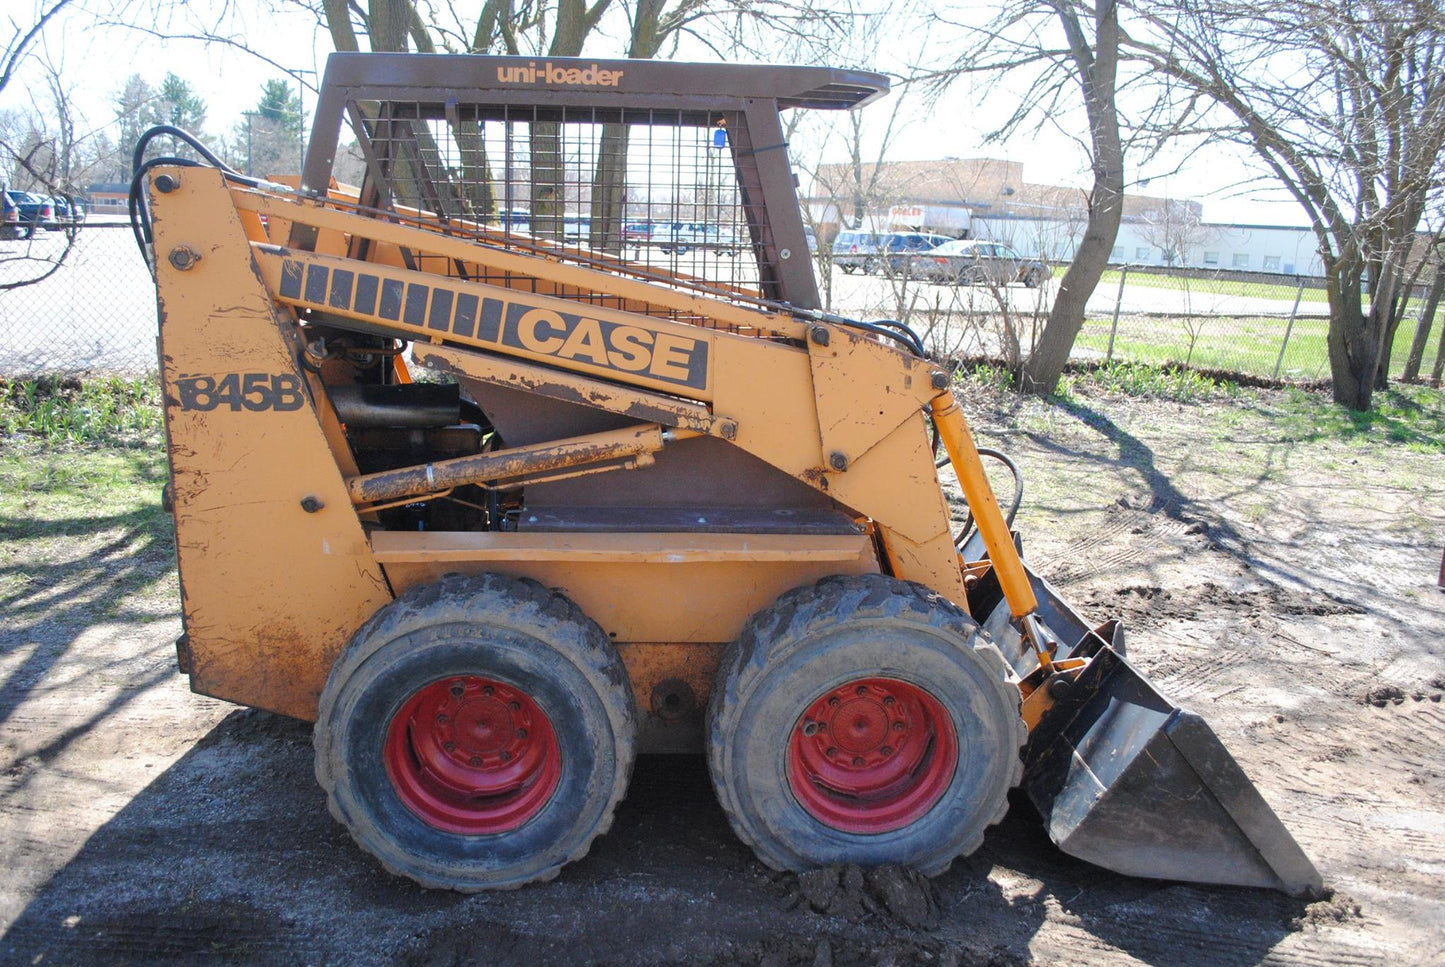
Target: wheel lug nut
{"points": [[810, 728], [861, 690], [833, 702], [514, 706], [487, 690], [441, 720], [888, 699], [899, 726], [857, 760], [475, 760], [458, 690], [886, 750], [830, 752], [506, 756], [450, 746], [521, 733]]}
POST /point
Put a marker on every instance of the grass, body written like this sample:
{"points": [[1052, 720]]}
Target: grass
{"points": [[1144, 381], [1224, 284], [65, 410], [82, 533], [1410, 416], [1246, 345]]}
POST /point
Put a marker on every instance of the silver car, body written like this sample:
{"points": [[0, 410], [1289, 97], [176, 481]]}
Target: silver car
{"points": [[971, 261]]}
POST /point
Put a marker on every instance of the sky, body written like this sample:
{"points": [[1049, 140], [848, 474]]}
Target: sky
{"points": [[95, 60]]}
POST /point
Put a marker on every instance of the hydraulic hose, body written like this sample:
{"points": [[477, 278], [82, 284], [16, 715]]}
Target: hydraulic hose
{"points": [[1014, 504]]}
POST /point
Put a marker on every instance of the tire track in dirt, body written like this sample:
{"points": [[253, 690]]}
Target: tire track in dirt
{"points": [[216, 931], [1126, 537]]}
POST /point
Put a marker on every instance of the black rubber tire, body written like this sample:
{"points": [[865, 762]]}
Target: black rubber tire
{"points": [[510, 630], [841, 629]]}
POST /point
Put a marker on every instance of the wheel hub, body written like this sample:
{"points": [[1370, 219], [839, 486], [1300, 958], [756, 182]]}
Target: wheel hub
{"points": [[472, 755], [872, 755]]}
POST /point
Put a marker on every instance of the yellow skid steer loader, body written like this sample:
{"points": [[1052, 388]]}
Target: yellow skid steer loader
{"points": [[533, 451]]}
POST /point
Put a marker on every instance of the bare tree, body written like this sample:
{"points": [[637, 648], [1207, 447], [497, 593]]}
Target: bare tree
{"points": [[1432, 255], [1344, 102], [1069, 52], [46, 150], [22, 36], [1174, 228]]}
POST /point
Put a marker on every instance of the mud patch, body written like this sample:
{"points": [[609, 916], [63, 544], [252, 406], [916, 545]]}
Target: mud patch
{"points": [[848, 891], [846, 953], [1333, 908], [1144, 605], [1384, 695]]}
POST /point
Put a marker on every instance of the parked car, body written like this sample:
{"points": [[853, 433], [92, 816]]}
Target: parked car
{"points": [[851, 249], [66, 212], [873, 252], [9, 217], [969, 261], [685, 236], [637, 233], [34, 212]]}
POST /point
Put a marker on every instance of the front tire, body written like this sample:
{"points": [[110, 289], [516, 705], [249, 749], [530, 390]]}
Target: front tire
{"points": [[863, 720], [477, 733]]}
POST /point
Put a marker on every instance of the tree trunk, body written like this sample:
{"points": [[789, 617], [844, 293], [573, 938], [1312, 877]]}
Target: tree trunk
{"points": [[609, 180], [1355, 337], [1098, 71], [1439, 363], [609, 190], [1422, 328]]}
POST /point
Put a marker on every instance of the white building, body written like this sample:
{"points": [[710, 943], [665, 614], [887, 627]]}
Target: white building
{"points": [[988, 198]]}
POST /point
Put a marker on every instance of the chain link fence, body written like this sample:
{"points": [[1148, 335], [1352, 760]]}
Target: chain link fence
{"points": [[1259, 325], [93, 308], [95, 312]]}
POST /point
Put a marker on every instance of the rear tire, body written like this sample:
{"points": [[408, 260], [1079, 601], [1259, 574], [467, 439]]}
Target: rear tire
{"points": [[924, 717], [477, 733]]}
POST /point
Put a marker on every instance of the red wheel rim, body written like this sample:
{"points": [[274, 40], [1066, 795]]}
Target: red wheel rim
{"points": [[872, 755], [472, 755]]}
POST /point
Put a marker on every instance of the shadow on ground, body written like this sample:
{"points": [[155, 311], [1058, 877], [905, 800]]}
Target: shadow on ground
{"points": [[230, 855]]}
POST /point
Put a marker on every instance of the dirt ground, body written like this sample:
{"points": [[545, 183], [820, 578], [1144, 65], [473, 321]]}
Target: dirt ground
{"points": [[1280, 582]]}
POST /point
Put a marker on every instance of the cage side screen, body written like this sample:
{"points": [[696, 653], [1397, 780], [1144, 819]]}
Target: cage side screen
{"points": [[657, 190]]}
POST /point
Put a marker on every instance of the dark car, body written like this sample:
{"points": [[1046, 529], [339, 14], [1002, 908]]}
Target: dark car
{"points": [[873, 252], [34, 212], [9, 217], [968, 261], [67, 212]]}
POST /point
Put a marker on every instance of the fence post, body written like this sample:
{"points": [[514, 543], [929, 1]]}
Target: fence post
{"points": [[1118, 299], [1299, 294]]}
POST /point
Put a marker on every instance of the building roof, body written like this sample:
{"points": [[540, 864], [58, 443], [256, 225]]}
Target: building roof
{"points": [[989, 186]]}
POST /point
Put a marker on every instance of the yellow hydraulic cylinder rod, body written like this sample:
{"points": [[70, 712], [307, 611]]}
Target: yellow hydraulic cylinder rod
{"points": [[963, 454]]}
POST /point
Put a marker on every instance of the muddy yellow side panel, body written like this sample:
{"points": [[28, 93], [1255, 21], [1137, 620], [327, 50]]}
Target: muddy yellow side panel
{"points": [[276, 573]]}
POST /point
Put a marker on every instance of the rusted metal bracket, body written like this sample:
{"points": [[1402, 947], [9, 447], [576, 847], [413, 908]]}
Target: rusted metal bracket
{"points": [[629, 444]]}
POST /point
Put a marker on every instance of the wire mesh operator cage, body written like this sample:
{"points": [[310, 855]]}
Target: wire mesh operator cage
{"points": [[580, 162]]}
